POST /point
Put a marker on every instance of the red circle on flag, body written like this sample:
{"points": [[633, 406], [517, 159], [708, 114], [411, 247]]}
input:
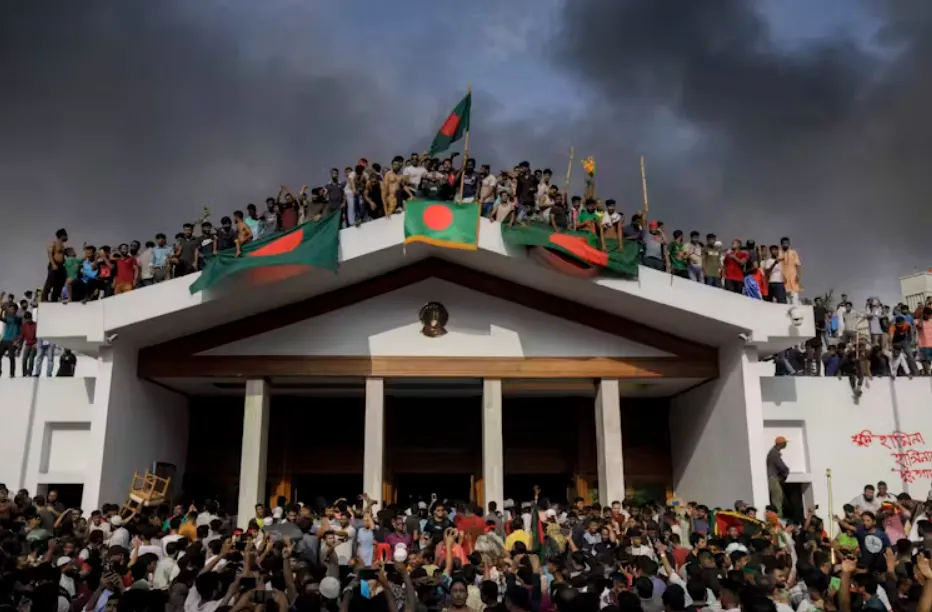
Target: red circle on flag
{"points": [[438, 218]]}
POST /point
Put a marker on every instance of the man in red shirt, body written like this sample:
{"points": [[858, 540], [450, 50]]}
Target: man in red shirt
{"points": [[735, 260], [27, 339], [127, 272], [471, 525]]}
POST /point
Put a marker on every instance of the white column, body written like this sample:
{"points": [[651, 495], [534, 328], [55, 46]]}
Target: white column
{"points": [[374, 445], [493, 460], [608, 442], [252, 467]]}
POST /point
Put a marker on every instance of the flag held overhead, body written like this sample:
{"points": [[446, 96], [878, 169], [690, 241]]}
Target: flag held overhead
{"points": [[453, 129]]}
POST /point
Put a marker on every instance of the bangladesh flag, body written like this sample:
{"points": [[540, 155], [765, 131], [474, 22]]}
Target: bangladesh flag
{"points": [[443, 224], [313, 244], [575, 253], [453, 128]]}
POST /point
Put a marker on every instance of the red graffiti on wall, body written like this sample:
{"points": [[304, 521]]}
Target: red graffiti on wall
{"points": [[897, 439], [904, 459]]}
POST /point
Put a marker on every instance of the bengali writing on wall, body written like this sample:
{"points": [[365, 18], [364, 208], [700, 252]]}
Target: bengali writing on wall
{"points": [[904, 458]]}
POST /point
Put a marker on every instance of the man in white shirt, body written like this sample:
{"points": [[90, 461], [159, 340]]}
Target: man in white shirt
{"points": [[209, 514], [773, 271], [883, 495], [119, 536], [487, 189], [414, 171], [866, 501]]}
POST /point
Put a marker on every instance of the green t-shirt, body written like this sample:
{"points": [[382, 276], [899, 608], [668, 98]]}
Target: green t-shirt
{"points": [[847, 542], [585, 215], [72, 265], [675, 250]]}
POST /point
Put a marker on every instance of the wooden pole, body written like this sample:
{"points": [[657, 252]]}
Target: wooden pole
{"points": [[644, 188], [459, 197], [831, 510], [569, 173]]}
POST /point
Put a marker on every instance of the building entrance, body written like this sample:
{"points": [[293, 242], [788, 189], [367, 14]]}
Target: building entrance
{"points": [[418, 487], [558, 488], [320, 490]]}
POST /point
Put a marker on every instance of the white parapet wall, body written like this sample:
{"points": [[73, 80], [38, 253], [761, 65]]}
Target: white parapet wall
{"points": [[885, 435], [45, 438]]}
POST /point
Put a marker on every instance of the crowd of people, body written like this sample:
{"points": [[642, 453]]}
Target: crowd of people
{"points": [[875, 341], [435, 556], [368, 191], [19, 340]]}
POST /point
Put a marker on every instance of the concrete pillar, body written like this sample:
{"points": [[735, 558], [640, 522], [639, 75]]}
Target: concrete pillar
{"points": [[608, 442], [493, 456], [252, 467], [373, 462]]}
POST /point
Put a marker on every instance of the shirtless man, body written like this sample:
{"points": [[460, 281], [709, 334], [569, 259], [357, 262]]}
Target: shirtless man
{"points": [[393, 182], [243, 233], [55, 279]]}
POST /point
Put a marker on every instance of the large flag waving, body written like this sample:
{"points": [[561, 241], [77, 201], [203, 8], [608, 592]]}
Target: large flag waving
{"points": [[453, 128], [313, 244], [574, 252], [443, 224]]}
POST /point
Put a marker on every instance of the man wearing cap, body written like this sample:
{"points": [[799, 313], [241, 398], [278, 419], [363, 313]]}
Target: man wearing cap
{"points": [[654, 243], [777, 471]]}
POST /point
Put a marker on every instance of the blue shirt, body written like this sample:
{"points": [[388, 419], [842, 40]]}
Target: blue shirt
{"points": [[365, 545], [88, 270], [13, 324], [831, 364], [253, 225], [160, 256]]}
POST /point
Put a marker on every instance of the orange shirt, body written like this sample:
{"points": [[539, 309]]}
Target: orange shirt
{"points": [[761, 281]]}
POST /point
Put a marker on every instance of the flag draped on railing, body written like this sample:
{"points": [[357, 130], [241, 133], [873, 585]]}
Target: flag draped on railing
{"points": [[313, 244]]}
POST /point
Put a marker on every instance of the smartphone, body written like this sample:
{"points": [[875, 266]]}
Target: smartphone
{"points": [[835, 583], [247, 583], [259, 596]]}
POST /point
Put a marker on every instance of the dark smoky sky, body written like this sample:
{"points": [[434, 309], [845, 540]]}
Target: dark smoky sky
{"points": [[122, 119]]}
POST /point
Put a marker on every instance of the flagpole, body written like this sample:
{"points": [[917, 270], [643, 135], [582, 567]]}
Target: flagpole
{"points": [[459, 196], [644, 187], [569, 172]]}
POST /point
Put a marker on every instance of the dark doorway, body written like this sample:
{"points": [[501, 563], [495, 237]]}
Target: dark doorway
{"points": [[415, 487], [793, 500], [558, 488], [68, 494], [318, 490]]}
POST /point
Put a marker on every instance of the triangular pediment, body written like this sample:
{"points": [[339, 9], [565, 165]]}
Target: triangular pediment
{"points": [[373, 328], [479, 325]]}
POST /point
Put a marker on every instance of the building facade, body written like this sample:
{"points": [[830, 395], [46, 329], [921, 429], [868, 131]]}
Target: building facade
{"points": [[327, 384]]}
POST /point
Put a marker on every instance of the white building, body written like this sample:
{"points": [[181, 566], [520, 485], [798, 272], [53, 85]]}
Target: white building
{"points": [[916, 288], [324, 383]]}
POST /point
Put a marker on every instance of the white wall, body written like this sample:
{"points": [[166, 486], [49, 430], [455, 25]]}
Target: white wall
{"points": [[819, 416], [712, 430], [479, 326], [43, 418], [135, 423]]}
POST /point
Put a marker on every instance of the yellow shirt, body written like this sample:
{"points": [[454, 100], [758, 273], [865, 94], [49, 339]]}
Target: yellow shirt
{"points": [[519, 535], [188, 530]]}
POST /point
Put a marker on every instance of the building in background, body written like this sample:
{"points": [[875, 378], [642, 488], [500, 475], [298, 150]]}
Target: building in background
{"points": [[915, 288]]}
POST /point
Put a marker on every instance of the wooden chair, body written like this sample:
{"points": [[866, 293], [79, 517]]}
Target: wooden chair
{"points": [[146, 490]]}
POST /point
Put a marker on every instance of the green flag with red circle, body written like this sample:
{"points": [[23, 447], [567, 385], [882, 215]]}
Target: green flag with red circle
{"points": [[443, 224], [456, 124]]}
